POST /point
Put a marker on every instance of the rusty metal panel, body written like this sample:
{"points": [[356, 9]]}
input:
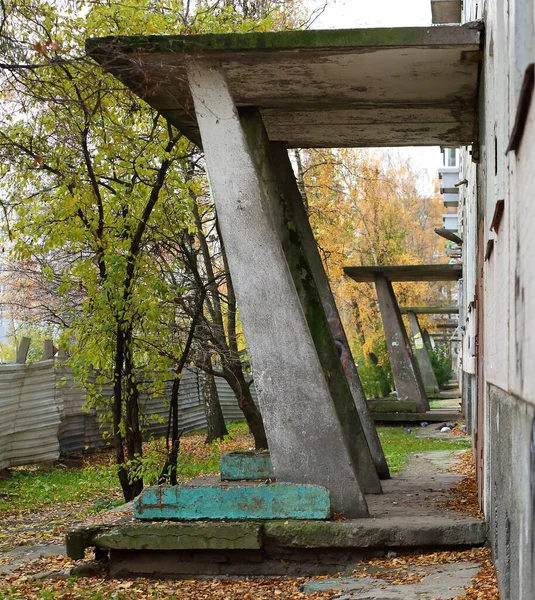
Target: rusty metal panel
{"points": [[229, 404], [29, 416], [43, 411]]}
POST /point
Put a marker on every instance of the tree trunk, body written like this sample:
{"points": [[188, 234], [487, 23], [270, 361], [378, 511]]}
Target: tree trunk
{"points": [[216, 428], [117, 415], [133, 435], [233, 373], [173, 433]]}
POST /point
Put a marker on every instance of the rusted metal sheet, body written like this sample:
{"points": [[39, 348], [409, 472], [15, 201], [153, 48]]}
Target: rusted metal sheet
{"points": [[29, 417], [43, 412]]}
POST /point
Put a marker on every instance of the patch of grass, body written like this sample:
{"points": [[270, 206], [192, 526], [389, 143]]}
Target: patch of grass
{"points": [[398, 444], [36, 487], [446, 403], [95, 485]]}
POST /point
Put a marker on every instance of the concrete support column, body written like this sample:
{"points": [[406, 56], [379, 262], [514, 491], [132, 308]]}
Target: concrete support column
{"points": [[278, 186], [422, 356], [429, 344], [407, 378], [296, 215], [305, 435]]}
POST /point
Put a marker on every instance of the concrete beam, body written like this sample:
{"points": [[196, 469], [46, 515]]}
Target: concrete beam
{"points": [[307, 248], [424, 362], [407, 378], [237, 466], [304, 432], [406, 272], [234, 501], [430, 310], [400, 86], [429, 344]]}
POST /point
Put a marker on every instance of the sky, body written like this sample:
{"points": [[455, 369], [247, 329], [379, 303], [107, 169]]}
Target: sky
{"points": [[347, 14]]}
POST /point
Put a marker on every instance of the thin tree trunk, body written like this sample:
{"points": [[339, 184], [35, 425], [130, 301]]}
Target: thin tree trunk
{"points": [[173, 433], [216, 427], [236, 379], [122, 472], [133, 435]]}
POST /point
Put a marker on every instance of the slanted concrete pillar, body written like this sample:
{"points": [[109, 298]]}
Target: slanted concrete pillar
{"points": [[296, 215], [278, 189], [407, 378], [422, 356], [429, 344], [305, 436]]}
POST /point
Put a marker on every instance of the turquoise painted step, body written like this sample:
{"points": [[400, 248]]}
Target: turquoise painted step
{"points": [[237, 466], [230, 501]]}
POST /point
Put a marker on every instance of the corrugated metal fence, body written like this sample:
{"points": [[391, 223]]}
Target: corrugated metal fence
{"points": [[42, 411], [29, 416]]}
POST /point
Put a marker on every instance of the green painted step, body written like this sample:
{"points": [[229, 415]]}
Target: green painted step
{"points": [[235, 466], [233, 501]]}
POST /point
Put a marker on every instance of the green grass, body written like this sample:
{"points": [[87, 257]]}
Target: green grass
{"points": [[32, 488], [398, 444], [96, 486]]}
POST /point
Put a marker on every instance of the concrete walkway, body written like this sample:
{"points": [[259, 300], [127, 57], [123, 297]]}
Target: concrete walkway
{"points": [[406, 581], [440, 582]]}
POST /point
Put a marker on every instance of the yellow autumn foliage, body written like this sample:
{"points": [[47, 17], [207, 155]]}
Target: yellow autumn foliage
{"points": [[366, 208]]}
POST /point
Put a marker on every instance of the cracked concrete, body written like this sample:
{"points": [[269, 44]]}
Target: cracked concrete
{"points": [[440, 582]]}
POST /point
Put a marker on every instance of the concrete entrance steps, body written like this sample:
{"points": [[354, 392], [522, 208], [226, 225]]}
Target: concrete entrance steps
{"points": [[409, 516]]}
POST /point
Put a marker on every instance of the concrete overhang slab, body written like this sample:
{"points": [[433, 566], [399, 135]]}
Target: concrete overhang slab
{"points": [[406, 273], [334, 88]]}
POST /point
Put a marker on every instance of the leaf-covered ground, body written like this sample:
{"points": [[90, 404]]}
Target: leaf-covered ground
{"points": [[38, 504]]}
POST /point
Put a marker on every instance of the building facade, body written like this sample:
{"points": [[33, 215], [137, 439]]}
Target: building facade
{"points": [[496, 216]]}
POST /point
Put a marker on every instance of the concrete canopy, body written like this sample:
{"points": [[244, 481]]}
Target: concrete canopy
{"points": [[406, 273], [337, 88]]}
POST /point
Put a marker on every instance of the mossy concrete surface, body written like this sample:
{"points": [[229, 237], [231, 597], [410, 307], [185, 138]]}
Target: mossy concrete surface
{"points": [[410, 514], [288, 40], [202, 535], [386, 406], [336, 88]]}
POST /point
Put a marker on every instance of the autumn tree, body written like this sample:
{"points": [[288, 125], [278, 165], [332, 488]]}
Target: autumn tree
{"points": [[222, 339], [366, 209], [90, 176]]}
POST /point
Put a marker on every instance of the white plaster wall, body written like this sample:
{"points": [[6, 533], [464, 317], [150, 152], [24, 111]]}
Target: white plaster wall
{"points": [[509, 295], [509, 274], [522, 269], [468, 220]]}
